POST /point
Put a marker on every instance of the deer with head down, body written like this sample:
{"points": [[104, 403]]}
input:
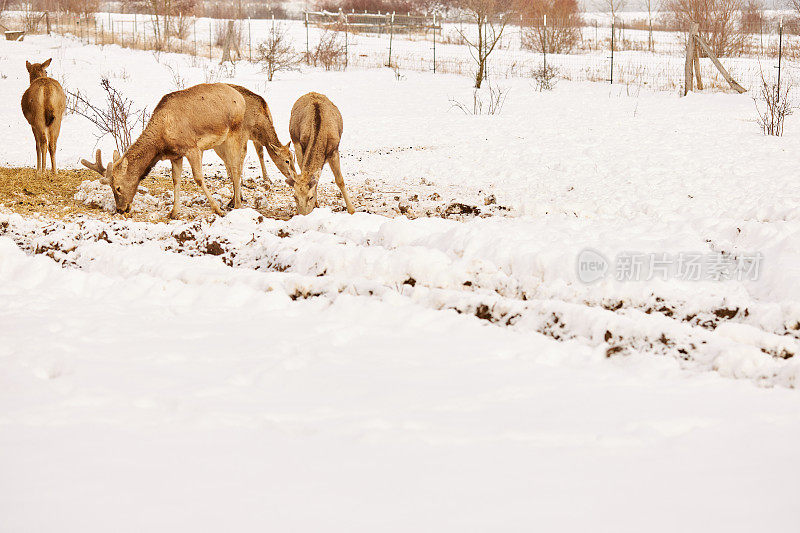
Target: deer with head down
{"points": [[261, 130], [43, 105], [316, 128], [184, 124]]}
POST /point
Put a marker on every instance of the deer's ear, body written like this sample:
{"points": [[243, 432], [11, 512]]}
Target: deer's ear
{"points": [[105, 181], [123, 167], [115, 158], [28, 65], [47, 63]]}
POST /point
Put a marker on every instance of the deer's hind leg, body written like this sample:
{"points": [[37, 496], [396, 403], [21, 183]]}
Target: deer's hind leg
{"points": [[52, 140], [333, 161], [40, 150], [195, 158], [232, 152]]}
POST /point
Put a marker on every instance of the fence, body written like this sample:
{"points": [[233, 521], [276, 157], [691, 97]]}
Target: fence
{"points": [[630, 54]]}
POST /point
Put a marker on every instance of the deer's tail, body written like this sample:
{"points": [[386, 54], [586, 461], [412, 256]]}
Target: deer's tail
{"points": [[49, 114]]}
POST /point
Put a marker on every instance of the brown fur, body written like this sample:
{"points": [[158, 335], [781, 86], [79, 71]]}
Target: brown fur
{"points": [[261, 130], [184, 124], [43, 105], [316, 127]]}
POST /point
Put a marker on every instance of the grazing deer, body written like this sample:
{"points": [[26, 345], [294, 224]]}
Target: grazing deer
{"points": [[261, 130], [184, 124], [43, 105], [316, 129]]}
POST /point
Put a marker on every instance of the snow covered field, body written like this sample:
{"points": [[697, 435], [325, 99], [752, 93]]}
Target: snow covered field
{"points": [[415, 366]]}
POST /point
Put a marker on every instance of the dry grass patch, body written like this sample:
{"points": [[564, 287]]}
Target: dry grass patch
{"points": [[23, 191]]}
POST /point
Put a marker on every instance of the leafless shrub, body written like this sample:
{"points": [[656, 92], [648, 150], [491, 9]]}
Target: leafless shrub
{"points": [[212, 74], [277, 52], [773, 105], [752, 18], [31, 19], [561, 33], [180, 26], [114, 116], [163, 13], [487, 101], [330, 52], [718, 21], [221, 33], [545, 77], [177, 78], [216, 73]]}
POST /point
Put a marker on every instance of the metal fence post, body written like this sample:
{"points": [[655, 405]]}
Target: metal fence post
{"points": [[434, 42], [780, 56], [308, 50], [612, 51], [544, 45], [346, 43], [391, 36]]}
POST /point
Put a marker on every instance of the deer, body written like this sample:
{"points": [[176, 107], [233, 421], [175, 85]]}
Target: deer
{"points": [[185, 123], [43, 104], [315, 127], [261, 131]]}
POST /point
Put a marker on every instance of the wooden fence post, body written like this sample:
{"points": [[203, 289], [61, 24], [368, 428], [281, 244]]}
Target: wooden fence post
{"points": [[688, 76], [725, 74]]}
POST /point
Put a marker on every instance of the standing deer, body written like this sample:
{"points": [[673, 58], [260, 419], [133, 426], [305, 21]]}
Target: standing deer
{"points": [[184, 124], [316, 129], [43, 105], [261, 130]]}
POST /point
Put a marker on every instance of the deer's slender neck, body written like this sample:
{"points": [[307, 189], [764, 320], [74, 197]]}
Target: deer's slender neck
{"points": [[143, 154], [265, 133]]}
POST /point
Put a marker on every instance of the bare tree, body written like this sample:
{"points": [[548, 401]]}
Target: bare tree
{"points": [[277, 52], [613, 7], [491, 18], [652, 6]]}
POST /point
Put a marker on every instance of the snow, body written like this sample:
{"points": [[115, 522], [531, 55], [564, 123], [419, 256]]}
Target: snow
{"points": [[391, 372]]}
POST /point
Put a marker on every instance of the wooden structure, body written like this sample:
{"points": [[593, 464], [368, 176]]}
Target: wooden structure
{"points": [[694, 44]]}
